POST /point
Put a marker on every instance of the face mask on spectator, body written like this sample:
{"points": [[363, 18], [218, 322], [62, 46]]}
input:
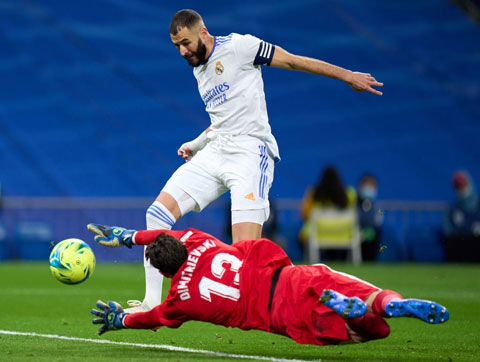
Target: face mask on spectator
{"points": [[368, 192], [464, 192]]}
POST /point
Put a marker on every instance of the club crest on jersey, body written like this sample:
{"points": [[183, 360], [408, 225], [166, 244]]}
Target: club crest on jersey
{"points": [[219, 68]]}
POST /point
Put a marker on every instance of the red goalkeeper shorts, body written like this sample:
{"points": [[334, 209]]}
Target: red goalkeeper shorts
{"points": [[296, 309]]}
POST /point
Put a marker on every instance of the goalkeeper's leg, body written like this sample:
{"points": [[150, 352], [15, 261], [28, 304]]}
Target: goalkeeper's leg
{"points": [[390, 304]]}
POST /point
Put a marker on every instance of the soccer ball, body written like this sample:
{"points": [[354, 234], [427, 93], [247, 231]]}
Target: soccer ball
{"points": [[72, 261]]}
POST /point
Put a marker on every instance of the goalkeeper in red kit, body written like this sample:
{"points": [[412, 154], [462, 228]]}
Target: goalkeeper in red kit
{"points": [[254, 285]]}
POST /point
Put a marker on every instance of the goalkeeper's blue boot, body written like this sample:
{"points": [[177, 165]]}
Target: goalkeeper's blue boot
{"points": [[425, 310], [347, 307]]}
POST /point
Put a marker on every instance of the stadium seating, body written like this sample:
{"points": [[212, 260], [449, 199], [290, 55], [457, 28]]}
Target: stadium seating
{"points": [[93, 90], [334, 229], [96, 99]]}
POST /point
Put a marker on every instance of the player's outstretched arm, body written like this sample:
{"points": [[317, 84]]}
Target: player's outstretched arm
{"points": [[112, 236], [358, 81], [111, 315]]}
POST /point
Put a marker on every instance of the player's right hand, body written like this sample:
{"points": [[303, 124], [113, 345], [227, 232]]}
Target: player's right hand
{"points": [[185, 152], [112, 236], [111, 316], [189, 149]]}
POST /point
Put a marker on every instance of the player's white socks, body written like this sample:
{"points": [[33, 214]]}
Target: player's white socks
{"points": [[158, 217], [153, 285]]}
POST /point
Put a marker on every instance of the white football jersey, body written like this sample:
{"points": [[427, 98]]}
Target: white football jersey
{"points": [[231, 86]]}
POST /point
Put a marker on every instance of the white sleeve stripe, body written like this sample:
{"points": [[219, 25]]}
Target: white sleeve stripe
{"points": [[262, 51], [262, 47], [266, 48]]}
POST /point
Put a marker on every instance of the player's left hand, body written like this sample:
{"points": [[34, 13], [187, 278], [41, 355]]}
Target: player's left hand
{"points": [[364, 82], [111, 316], [112, 236]]}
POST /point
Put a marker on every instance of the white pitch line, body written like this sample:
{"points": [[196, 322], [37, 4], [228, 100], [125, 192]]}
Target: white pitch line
{"points": [[143, 345]]}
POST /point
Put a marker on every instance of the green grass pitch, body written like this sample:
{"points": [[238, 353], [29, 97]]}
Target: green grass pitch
{"points": [[33, 302]]}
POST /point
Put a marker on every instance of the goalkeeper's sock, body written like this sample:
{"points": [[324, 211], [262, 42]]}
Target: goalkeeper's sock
{"points": [[381, 301], [158, 217]]}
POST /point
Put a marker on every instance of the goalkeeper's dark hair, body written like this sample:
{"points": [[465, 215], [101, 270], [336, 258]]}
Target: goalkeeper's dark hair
{"points": [[166, 253], [184, 18]]}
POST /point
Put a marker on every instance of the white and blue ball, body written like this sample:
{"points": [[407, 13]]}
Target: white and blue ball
{"points": [[72, 261]]}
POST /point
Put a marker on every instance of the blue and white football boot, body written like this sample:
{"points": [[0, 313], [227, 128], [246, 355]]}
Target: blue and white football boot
{"points": [[424, 310], [347, 307]]}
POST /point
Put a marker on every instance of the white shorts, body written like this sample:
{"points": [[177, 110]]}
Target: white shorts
{"points": [[240, 164]]}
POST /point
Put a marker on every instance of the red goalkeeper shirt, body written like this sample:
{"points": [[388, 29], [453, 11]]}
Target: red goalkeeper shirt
{"points": [[223, 284]]}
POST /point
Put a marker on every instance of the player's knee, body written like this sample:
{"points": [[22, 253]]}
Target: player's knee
{"points": [[369, 327], [376, 327], [183, 202], [381, 329]]}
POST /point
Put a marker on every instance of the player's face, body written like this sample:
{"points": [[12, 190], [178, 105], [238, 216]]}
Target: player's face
{"points": [[190, 46]]}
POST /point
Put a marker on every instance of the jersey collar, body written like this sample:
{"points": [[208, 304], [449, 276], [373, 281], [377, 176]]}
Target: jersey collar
{"points": [[211, 51]]}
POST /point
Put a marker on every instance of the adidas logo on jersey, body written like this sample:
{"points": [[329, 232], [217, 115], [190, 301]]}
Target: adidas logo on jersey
{"points": [[250, 196]]}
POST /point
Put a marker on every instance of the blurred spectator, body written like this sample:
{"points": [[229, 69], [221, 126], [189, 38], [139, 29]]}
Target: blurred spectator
{"points": [[369, 219], [328, 193], [462, 221]]}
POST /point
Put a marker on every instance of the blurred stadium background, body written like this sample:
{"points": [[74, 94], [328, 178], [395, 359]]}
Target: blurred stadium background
{"points": [[94, 102]]}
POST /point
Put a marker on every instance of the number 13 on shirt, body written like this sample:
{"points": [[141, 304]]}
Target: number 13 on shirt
{"points": [[208, 286]]}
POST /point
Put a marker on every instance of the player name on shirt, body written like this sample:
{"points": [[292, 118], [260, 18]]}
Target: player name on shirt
{"points": [[191, 264]]}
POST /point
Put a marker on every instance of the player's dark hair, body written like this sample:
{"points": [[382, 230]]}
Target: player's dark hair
{"points": [[166, 253], [330, 189], [184, 18]]}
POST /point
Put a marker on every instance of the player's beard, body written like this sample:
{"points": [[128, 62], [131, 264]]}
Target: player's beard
{"points": [[200, 55]]}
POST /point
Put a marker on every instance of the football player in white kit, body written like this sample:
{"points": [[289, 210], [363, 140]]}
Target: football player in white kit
{"points": [[237, 151]]}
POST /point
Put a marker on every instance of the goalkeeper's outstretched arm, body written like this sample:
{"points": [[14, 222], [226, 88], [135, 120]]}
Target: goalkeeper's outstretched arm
{"points": [[112, 317], [112, 236], [115, 236]]}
